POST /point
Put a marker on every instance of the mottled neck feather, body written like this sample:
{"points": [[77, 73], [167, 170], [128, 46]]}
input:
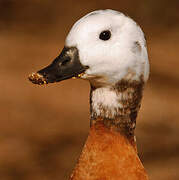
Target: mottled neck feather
{"points": [[110, 150], [117, 106]]}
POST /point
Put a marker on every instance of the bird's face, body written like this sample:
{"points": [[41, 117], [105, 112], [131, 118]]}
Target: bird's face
{"points": [[106, 46]]}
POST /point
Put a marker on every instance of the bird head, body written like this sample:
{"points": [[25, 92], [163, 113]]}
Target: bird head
{"points": [[104, 47]]}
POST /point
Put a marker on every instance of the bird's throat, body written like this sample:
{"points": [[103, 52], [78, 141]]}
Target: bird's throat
{"points": [[117, 106]]}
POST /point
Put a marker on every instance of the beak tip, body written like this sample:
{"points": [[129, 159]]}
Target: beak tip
{"points": [[37, 78]]}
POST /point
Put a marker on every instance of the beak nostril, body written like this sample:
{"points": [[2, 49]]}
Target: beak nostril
{"points": [[66, 61]]}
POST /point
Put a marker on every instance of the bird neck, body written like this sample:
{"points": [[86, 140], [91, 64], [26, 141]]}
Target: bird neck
{"points": [[117, 106], [110, 150]]}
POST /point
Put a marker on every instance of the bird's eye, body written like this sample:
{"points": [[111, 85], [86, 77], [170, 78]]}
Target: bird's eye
{"points": [[105, 35]]}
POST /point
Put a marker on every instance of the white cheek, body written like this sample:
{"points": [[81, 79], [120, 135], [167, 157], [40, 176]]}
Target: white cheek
{"points": [[114, 64]]}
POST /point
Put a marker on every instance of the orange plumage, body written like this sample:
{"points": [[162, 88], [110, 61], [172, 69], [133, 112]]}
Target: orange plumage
{"points": [[108, 155]]}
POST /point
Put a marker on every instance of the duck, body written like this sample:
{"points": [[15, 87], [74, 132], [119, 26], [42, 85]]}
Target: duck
{"points": [[108, 49]]}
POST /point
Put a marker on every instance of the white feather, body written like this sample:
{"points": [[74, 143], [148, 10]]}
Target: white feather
{"points": [[115, 58]]}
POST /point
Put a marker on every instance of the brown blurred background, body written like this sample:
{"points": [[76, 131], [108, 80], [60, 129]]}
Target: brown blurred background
{"points": [[43, 129]]}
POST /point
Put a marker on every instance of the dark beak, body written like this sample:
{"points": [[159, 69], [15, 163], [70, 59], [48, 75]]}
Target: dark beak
{"points": [[65, 66]]}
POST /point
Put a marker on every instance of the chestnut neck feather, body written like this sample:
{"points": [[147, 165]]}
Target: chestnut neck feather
{"points": [[110, 150], [108, 155], [117, 106]]}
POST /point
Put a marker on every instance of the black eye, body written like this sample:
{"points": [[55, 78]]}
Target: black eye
{"points": [[105, 35]]}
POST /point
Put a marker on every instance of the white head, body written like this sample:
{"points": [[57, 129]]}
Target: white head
{"points": [[110, 49], [120, 53]]}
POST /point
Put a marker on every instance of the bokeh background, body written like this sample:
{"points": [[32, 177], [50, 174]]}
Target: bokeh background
{"points": [[43, 129]]}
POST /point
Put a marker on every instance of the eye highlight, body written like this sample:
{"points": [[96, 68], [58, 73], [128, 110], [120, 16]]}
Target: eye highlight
{"points": [[105, 35]]}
